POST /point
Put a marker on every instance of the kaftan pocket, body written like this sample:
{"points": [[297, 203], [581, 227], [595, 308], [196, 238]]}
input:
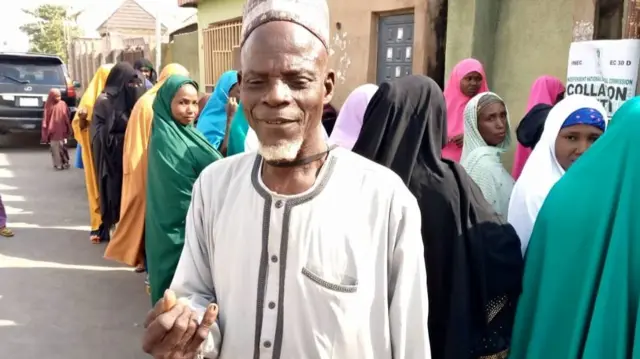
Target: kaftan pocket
{"points": [[346, 284]]}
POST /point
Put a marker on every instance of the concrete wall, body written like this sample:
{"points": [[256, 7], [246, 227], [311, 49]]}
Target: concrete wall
{"points": [[516, 40], [212, 11], [354, 45], [528, 47]]}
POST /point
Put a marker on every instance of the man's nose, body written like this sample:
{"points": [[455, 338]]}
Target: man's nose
{"points": [[279, 93]]}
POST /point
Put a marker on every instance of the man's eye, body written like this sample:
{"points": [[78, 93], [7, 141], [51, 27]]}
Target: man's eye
{"points": [[301, 82]]}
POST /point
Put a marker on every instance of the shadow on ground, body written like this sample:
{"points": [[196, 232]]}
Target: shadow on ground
{"points": [[44, 196], [90, 318], [61, 246], [60, 299]]}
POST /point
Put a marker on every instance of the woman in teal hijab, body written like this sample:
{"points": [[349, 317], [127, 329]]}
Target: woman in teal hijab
{"points": [[581, 296], [177, 154], [213, 119], [237, 133]]}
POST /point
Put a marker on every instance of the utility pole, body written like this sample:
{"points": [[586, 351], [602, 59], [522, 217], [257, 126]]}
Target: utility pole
{"points": [[158, 38], [633, 28]]}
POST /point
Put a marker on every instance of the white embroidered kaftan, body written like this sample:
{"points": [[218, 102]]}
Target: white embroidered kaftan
{"points": [[335, 272]]}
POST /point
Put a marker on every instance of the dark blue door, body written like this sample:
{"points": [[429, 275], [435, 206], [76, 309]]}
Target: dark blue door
{"points": [[395, 47]]}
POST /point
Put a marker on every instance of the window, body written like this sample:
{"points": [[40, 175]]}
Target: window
{"points": [[608, 16], [220, 39], [25, 71]]}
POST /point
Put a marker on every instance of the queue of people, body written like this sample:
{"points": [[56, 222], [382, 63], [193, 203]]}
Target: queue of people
{"points": [[388, 229]]}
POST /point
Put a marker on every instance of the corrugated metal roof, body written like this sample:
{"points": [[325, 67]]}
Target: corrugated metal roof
{"points": [[141, 14], [171, 14], [130, 15], [193, 19]]}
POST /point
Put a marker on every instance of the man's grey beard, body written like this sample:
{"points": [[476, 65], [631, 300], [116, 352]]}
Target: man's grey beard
{"points": [[281, 151]]}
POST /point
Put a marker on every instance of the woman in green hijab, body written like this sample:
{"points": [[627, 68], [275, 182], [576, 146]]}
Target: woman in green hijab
{"points": [[581, 295], [177, 154]]}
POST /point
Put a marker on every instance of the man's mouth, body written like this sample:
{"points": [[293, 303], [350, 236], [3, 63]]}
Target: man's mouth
{"points": [[278, 122]]}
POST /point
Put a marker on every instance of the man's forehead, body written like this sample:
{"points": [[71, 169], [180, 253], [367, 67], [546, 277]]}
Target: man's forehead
{"points": [[284, 44], [310, 14], [280, 62]]}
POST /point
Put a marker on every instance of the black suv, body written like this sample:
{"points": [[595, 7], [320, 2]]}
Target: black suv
{"points": [[25, 81]]}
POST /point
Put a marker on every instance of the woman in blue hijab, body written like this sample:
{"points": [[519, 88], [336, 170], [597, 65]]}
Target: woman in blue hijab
{"points": [[213, 120]]}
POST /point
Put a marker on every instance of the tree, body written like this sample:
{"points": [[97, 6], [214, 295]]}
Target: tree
{"points": [[52, 30]]}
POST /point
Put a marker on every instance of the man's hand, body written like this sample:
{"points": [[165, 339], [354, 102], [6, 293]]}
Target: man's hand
{"points": [[82, 118], [231, 108], [458, 140], [172, 329]]}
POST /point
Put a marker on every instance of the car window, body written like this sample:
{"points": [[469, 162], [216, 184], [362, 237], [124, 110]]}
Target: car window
{"points": [[30, 72]]}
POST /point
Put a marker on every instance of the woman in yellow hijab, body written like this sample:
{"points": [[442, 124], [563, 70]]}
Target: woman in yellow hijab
{"points": [[80, 126], [126, 244]]}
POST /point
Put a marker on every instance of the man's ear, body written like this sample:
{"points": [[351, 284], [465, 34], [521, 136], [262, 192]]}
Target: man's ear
{"points": [[329, 86]]}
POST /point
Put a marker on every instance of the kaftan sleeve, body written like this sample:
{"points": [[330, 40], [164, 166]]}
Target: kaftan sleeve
{"points": [[193, 277], [408, 300]]}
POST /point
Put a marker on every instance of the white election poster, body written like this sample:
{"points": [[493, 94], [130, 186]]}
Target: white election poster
{"points": [[604, 69]]}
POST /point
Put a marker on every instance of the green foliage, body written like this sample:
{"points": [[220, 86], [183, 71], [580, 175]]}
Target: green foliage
{"points": [[52, 29]]}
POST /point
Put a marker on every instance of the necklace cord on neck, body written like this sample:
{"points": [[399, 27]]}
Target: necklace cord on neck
{"points": [[301, 161]]}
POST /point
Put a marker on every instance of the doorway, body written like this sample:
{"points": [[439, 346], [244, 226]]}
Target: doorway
{"points": [[395, 47], [608, 19]]}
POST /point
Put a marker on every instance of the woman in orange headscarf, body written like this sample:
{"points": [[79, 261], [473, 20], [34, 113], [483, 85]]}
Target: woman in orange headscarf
{"points": [[80, 125], [126, 244]]}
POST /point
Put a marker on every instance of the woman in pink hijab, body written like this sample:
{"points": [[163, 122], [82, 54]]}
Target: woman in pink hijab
{"points": [[349, 122], [467, 80], [545, 90]]}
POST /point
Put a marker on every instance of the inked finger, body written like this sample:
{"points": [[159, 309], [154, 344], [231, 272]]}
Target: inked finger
{"points": [[202, 333]]}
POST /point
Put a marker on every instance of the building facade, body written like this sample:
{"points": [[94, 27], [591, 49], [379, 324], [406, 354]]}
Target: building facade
{"points": [[378, 40], [219, 24]]}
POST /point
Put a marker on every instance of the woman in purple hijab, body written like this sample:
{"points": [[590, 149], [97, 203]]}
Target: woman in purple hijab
{"points": [[349, 122], [4, 231]]}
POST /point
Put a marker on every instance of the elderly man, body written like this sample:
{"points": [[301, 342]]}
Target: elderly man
{"points": [[308, 251]]}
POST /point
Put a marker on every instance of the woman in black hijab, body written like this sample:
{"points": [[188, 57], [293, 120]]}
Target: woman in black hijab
{"points": [[146, 68], [110, 116], [532, 125], [473, 259], [329, 117]]}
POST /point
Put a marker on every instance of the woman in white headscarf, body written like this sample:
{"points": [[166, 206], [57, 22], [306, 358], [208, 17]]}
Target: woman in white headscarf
{"points": [[571, 128], [349, 123], [487, 135]]}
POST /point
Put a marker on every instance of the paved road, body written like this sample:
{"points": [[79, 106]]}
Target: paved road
{"points": [[59, 299]]}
